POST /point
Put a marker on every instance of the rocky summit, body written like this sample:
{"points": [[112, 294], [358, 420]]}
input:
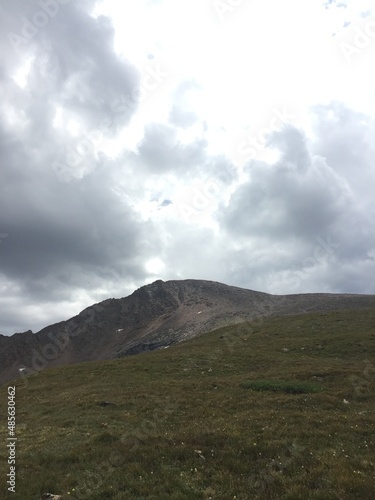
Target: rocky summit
{"points": [[153, 317]]}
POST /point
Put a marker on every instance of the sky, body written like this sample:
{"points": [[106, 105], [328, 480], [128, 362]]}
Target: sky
{"points": [[223, 140]]}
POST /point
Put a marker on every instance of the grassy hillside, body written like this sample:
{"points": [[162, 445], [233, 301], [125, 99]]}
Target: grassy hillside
{"points": [[281, 409]]}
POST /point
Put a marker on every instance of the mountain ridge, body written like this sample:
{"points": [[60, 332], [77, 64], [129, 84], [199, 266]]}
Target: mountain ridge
{"points": [[152, 317]]}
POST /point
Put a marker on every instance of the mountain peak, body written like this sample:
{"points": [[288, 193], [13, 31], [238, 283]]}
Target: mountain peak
{"points": [[154, 316]]}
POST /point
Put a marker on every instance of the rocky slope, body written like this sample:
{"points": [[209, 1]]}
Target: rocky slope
{"points": [[154, 316]]}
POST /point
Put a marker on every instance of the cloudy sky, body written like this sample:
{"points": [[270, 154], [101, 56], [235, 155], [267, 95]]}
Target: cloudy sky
{"points": [[225, 140]]}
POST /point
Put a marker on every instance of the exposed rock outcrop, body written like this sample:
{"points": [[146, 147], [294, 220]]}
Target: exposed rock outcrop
{"points": [[153, 317]]}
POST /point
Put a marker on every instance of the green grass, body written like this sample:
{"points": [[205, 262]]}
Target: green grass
{"points": [[184, 426]]}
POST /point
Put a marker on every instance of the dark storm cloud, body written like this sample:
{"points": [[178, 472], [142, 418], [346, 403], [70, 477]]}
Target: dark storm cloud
{"points": [[67, 237], [295, 197], [56, 225], [287, 208], [67, 229], [74, 64]]}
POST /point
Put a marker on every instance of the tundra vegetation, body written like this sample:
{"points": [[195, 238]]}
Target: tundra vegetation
{"points": [[283, 409]]}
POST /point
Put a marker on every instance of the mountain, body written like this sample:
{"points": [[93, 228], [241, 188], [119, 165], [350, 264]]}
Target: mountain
{"points": [[153, 317]]}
